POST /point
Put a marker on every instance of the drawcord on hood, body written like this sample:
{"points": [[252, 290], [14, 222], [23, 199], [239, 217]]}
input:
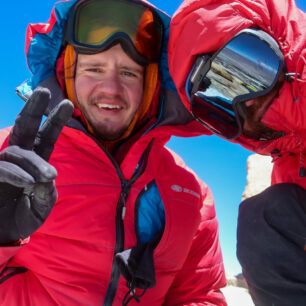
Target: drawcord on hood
{"points": [[276, 154], [150, 84], [131, 294], [295, 78], [295, 88]]}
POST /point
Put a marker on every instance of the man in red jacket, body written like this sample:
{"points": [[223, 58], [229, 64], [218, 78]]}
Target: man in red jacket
{"points": [[240, 69], [94, 209]]}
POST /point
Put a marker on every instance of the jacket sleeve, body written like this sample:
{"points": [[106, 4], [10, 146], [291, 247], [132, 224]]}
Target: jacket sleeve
{"points": [[202, 275], [8, 252]]}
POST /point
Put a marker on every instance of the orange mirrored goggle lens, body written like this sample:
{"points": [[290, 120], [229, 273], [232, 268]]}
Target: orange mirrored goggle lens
{"points": [[97, 22]]}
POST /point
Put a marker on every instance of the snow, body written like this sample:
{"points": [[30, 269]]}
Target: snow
{"points": [[236, 296]]}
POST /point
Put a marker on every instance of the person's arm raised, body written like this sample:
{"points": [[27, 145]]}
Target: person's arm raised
{"points": [[27, 189]]}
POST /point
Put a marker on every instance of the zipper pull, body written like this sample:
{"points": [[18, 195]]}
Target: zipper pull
{"points": [[124, 193], [123, 212]]}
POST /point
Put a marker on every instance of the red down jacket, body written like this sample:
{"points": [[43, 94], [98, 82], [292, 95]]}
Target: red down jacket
{"points": [[70, 259], [203, 26]]}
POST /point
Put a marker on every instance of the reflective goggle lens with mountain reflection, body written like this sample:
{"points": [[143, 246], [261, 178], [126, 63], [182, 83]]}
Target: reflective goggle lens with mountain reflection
{"points": [[248, 66]]}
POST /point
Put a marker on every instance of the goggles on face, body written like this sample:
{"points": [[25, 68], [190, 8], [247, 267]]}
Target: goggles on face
{"points": [[246, 67], [95, 25]]}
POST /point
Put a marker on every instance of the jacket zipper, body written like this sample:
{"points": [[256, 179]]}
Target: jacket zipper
{"points": [[119, 245], [120, 214]]}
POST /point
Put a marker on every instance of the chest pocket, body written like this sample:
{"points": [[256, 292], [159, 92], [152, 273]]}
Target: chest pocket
{"points": [[137, 264], [150, 214]]}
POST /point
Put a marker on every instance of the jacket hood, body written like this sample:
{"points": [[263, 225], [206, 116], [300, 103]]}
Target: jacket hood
{"points": [[44, 47], [204, 26]]}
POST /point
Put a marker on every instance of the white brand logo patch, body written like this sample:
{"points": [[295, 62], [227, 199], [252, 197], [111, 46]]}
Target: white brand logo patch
{"points": [[177, 188]]}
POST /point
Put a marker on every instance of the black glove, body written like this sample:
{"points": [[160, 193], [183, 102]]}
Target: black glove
{"points": [[27, 189]]}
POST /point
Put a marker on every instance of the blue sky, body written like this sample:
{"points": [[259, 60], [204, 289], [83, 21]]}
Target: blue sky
{"points": [[220, 164]]}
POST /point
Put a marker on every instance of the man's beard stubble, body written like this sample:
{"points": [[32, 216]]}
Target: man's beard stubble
{"points": [[102, 131], [255, 129], [107, 135]]}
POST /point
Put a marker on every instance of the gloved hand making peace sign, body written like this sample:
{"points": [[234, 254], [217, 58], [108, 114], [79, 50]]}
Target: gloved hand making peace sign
{"points": [[27, 189]]}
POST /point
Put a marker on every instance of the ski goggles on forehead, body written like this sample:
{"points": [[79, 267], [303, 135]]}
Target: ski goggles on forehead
{"points": [[246, 67], [94, 26]]}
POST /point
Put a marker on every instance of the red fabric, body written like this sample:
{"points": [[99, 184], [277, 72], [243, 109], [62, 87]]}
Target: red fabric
{"points": [[69, 258], [33, 29], [203, 26], [6, 253]]}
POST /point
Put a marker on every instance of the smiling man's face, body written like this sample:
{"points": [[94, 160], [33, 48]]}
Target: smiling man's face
{"points": [[109, 89]]}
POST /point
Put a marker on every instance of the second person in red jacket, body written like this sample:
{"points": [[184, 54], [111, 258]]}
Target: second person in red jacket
{"points": [[240, 69]]}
